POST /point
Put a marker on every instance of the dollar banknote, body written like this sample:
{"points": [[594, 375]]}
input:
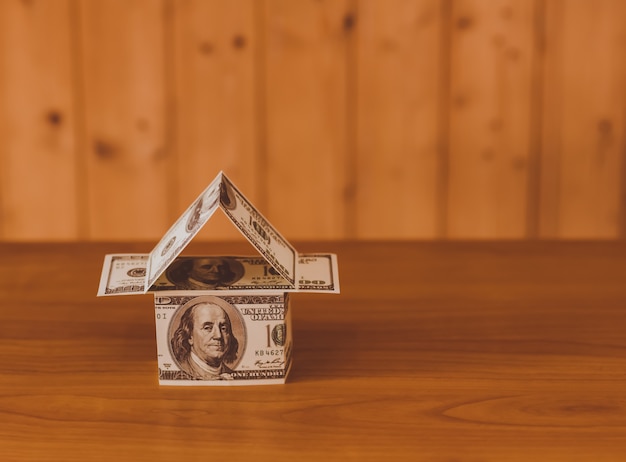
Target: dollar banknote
{"points": [[183, 231], [124, 274], [225, 340], [261, 234], [222, 193]]}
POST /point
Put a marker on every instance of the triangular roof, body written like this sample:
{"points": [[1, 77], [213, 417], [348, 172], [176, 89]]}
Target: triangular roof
{"points": [[223, 194], [126, 274]]}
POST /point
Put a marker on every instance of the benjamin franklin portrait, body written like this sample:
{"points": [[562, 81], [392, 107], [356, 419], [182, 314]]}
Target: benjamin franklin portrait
{"points": [[207, 338], [204, 273]]}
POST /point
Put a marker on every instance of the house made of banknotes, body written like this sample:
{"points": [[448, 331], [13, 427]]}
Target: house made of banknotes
{"points": [[221, 320]]}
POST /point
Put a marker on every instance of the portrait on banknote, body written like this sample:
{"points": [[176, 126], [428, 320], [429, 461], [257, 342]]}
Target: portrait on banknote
{"points": [[207, 338], [204, 273], [227, 196], [203, 205]]}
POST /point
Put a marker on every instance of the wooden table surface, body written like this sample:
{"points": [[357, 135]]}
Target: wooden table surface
{"points": [[506, 351]]}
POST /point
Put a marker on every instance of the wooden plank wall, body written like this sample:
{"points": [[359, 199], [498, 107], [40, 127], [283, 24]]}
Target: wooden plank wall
{"points": [[366, 119]]}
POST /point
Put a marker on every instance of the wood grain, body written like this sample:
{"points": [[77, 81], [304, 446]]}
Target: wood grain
{"points": [[216, 70], [400, 80], [453, 119], [492, 54], [128, 159], [458, 351], [306, 72], [38, 158], [584, 83]]}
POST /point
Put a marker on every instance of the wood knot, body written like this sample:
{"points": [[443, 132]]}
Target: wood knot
{"points": [[605, 127], [104, 149], [206, 48], [464, 22], [54, 118], [349, 21], [239, 41]]}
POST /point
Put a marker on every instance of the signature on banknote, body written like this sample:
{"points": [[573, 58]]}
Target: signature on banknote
{"points": [[270, 364]]}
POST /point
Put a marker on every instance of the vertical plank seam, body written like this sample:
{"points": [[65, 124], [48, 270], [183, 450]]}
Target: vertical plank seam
{"points": [[445, 69], [553, 229], [350, 179], [621, 236], [622, 191], [622, 204], [557, 53], [260, 30], [3, 162], [3, 211], [171, 107], [3, 157], [533, 181], [81, 151]]}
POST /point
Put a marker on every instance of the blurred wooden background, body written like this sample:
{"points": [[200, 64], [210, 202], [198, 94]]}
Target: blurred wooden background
{"points": [[338, 118]]}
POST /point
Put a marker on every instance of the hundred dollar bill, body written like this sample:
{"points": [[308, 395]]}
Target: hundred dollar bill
{"points": [[222, 193], [185, 228], [267, 240], [225, 340], [318, 272], [124, 274]]}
